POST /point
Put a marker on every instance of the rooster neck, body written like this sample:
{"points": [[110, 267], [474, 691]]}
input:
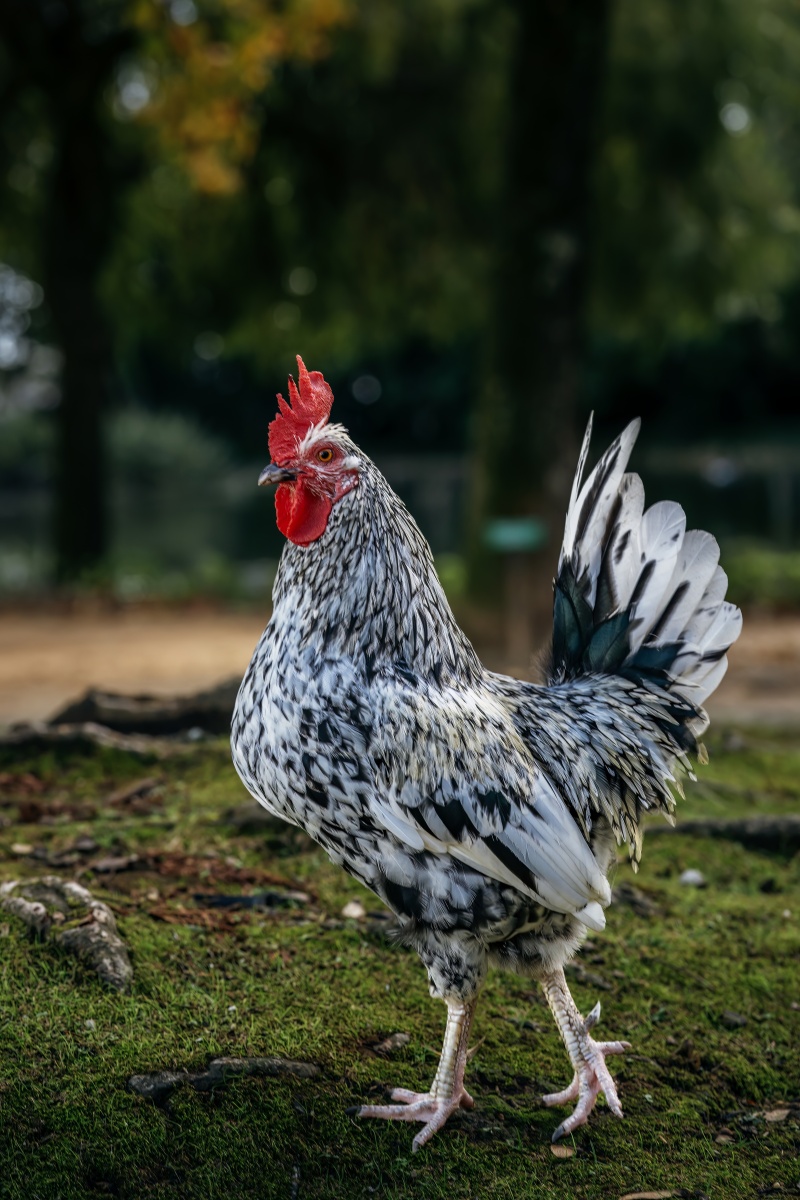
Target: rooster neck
{"points": [[368, 589]]}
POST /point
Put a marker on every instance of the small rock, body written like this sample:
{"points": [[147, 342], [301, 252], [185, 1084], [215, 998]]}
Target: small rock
{"points": [[733, 1020], [90, 1024], [776, 1114], [85, 844], [693, 878], [354, 910], [21, 848], [113, 863], [395, 1041]]}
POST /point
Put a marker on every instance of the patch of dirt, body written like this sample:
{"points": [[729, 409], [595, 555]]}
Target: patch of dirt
{"points": [[48, 659]]}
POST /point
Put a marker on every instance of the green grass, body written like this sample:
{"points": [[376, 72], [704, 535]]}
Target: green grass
{"points": [[308, 985]]}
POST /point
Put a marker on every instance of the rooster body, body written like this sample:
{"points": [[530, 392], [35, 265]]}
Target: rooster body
{"points": [[483, 810]]}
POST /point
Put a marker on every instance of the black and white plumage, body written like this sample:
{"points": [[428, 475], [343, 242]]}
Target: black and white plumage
{"points": [[483, 810]]}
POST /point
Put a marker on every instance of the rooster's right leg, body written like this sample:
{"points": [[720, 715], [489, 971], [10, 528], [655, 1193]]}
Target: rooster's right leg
{"points": [[587, 1056], [447, 1091]]}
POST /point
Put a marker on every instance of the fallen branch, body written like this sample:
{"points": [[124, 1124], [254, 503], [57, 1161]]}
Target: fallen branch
{"points": [[38, 736], [209, 710], [160, 1085], [67, 914], [774, 834]]}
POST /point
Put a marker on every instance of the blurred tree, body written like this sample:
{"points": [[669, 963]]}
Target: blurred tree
{"points": [[525, 431], [414, 195], [65, 53], [697, 187], [693, 305], [64, 58]]}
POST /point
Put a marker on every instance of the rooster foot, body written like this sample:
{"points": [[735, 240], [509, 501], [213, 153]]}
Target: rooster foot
{"points": [[587, 1056], [592, 1076], [447, 1090], [418, 1106]]}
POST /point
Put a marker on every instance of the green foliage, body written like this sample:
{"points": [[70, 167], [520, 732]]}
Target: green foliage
{"points": [[698, 220], [377, 169], [763, 576], [307, 984], [373, 174], [26, 443]]}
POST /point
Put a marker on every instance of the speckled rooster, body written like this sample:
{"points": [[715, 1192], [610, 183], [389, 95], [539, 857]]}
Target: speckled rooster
{"points": [[484, 811]]}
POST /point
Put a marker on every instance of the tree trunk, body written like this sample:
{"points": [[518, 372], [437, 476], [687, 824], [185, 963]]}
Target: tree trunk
{"points": [[77, 235], [67, 52], [71, 264], [525, 433]]}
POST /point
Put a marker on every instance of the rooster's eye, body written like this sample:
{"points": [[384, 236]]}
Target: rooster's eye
{"points": [[324, 456]]}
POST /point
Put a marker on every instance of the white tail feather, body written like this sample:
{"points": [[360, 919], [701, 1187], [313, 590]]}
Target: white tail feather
{"points": [[627, 546], [667, 580]]}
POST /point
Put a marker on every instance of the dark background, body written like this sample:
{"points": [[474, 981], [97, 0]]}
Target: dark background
{"points": [[480, 218]]}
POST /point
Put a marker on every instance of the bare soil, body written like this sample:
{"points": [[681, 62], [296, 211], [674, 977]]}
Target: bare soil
{"points": [[48, 658]]}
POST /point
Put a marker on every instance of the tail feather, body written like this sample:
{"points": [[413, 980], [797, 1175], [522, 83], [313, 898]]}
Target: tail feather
{"points": [[636, 595], [594, 511], [662, 530], [695, 564], [622, 557], [709, 608]]}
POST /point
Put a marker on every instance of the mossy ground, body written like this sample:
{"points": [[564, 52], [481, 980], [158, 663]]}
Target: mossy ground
{"points": [[309, 985]]}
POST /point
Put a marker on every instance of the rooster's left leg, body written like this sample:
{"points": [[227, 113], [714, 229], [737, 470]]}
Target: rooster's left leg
{"points": [[447, 1091], [592, 1076]]}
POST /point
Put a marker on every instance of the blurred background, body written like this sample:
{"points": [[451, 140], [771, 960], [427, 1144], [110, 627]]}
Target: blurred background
{"points": [[482, 219]]}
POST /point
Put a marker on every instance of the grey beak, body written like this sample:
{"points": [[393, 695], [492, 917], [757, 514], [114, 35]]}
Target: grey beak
{"points": [[274, 474]]}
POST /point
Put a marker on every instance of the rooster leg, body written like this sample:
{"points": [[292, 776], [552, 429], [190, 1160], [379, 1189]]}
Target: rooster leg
{"points": [[587, 1056], [447, 1090]]}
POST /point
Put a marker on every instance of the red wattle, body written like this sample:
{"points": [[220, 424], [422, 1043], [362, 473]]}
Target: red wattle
{"points": [[302, 515]]}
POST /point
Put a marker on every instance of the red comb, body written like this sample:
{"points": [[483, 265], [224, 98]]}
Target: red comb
{"points": [[310, 406]]}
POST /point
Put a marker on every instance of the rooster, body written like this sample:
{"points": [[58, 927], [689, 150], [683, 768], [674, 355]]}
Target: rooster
{"points": [[483, 810]]}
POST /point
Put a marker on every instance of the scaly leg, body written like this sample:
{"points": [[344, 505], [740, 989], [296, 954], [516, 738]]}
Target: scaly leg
{"points": [[447, 1090], [586, 1055]]}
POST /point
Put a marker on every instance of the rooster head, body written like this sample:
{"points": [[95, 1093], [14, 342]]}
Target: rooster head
{"points": [[312, 461]]}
